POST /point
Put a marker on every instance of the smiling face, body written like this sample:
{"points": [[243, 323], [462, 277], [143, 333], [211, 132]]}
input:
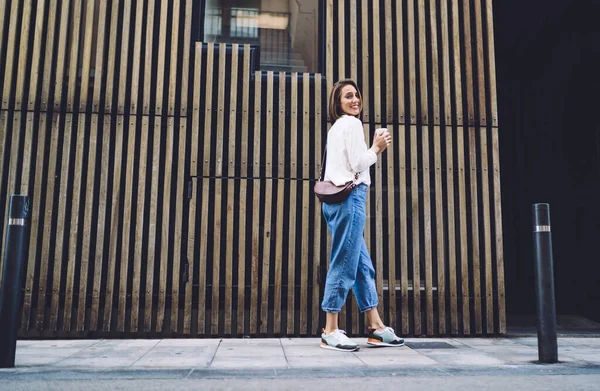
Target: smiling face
{"points": [[350, 100]]}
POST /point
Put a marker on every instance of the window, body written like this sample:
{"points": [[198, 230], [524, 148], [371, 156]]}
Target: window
{"points": [[287, 31]]}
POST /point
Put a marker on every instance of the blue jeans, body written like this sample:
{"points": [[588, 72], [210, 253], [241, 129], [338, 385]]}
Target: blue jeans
{"points": [[350, 265]]}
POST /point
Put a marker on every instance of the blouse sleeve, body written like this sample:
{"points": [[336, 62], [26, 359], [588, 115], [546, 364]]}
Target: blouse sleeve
{"points": [[359, 156]]}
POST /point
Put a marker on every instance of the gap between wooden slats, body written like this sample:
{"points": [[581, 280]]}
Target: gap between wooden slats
{"points": [[364, 72], [111, 59], [416, 255], [391, 228], [283, 132], [293, 200], [404, 272], [389, 53], [377, 64], [305, 205], [317, 216]]}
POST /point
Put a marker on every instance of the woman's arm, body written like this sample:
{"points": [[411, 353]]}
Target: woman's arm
{"points": [[359, 156]]}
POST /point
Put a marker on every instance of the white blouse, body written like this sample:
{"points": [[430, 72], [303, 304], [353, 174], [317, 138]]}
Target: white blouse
{"points": [[347, 152]]}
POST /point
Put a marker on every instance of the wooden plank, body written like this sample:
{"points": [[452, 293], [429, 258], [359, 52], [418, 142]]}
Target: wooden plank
{"points": [[112, 52], [79, 146], [205, 188], [100, 239], [187, 34], [87, 54], [468, 62], [379, 231], [153, 225], [450, 179], [162, 42], [255, 206], [457, 64], [36, 233], [49, 209], [440, 244], [148, 55], [498, 231], [391, 228], [243, 193], [341, 44], [283, 131], [174, 53], [125, 55], [416, 255], [137, 58], [491, 55], [23, 54], [305, 205], [435, 85], [412, 58], [48, 58], [10, 53], [464, 256], [90, 189], [216, 266], [178, 231], [318, 216], [423, 62], [487, 234], [145, 135], [3, 21], [130, 175], [481, 69], [60, 221], [293, 203], [377, 63], [353, 41], [475, 254], [444, 27], [115, 212], [99, 67], [165, 227], [427, 239], [405, 327], [389, 58], [400, 58], [36, 55], [365, 62], [329, 44], [75, 21], [232, 131], [264, 307]]}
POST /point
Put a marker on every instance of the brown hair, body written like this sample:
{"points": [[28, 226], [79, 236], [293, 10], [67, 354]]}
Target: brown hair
{"points": [[335, 109]]}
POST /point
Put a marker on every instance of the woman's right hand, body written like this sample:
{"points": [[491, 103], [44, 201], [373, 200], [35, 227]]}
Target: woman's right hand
{"points": [[381, 141]]}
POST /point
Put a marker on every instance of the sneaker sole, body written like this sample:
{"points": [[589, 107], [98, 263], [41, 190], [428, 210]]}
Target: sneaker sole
{"points": [[374, 342], [325, 346]]}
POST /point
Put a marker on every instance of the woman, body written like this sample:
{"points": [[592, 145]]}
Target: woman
{"points": [[350, 263]]}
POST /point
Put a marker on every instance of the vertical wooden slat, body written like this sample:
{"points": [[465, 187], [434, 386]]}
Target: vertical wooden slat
{"points": [[187, 35], [412, 72], [137, 50], [498, 231], [3, 22], [444, 25], [391, 229], [216, 267], [127, 222], [317, 233], [205, 188], [48, 58], [102, 200], [264, 308], [255, 206], [152, 223], [23, 54], [178, 257], [99, 66], [491, 55], [36, 212], [75, 225], [403, 230], [10, 53], [365, 71], [294, 141], [75, 21], [353, 41], [389, 81], [174, 53], [379, 231], [165, 227], [305, 195], [400, 58], [87, 223], [87, 54], [27, 159], [63, 174], [341, 55], [280, 201], [416, 255], [123, 75], [329, 44], [111, 61], [230, 188], [36, 54], [49, 209], [145, 134], [243, 192], [148, 56], [377, 62], [115, 212], [162, 48]]}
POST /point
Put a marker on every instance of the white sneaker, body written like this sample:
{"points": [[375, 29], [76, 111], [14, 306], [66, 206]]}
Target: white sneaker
{"points": [[337, 340], [387, 337]]}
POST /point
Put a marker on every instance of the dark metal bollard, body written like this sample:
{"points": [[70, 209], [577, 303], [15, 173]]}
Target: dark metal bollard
{"points": [[544, 284], [12, 278]]}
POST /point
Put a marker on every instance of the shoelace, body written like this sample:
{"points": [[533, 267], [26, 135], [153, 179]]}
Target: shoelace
{"points": [[342, 334]]}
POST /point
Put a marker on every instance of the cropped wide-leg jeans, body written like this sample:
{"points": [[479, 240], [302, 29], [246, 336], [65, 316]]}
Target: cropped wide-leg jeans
{"points": [[350, 265]]}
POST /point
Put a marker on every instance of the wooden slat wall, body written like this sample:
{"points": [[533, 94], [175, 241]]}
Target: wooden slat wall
{"points": [[171, 183]]}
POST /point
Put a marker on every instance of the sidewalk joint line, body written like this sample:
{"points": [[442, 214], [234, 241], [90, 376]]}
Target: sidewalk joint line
{"points": [[214, 355], [75, 354], [284, 355], [144, 355]]}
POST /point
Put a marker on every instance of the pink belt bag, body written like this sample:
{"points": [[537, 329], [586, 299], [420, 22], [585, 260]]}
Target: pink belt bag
{"points": [[328, 192]]}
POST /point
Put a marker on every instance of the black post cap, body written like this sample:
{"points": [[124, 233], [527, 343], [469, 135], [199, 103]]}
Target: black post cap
{"points": [[19, 207]]}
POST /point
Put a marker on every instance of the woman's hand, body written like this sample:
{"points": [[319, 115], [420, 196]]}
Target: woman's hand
{"points": [[381, 141]]}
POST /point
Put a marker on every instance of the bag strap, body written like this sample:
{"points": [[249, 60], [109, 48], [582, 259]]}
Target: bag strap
{"points": [[323, 166]]}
